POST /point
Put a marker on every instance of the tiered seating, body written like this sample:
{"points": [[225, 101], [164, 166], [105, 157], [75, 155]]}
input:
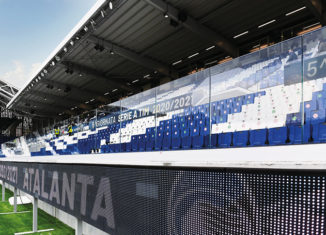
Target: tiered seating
{"points": [[250, 105], [273, 116]]}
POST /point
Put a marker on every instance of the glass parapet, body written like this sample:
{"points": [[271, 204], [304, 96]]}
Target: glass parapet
{"points": [[274, 96], [138, 122], [314, 87], [182, 109], [107, 128], [252, 101]]}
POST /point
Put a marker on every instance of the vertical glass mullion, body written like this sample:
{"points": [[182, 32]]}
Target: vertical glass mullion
{"points": [[302, 94], [96, 113], [120, 124], [155, 118], [210, 111]]}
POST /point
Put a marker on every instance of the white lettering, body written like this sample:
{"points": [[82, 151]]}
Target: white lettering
{"points": [[104, 192], [31, 173], [84, 180], [43, 193], [312, 69], [54, 192], [69, 191], [37, 182], [25, 185]]}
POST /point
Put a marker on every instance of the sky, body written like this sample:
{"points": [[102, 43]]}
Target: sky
{"points": [[30, 30]]}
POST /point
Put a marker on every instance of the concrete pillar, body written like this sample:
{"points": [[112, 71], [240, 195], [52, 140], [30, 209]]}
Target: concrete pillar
{"points": [[35, 206], [15, 199], [3, 190], [79, 227]]}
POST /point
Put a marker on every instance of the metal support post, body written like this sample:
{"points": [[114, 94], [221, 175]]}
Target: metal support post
{"points": [[79, 227], [35, 206], [15, 199], [3, 190]]}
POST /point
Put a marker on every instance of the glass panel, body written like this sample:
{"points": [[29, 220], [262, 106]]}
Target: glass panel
{"points": [[182, 109], [108, 128], [293, 92], [251, 100], [314, 88], [86, 127], [138, 122]]}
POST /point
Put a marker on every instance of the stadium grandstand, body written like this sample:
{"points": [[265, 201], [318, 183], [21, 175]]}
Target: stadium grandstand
{"points": [[9, 121], [178, 117]]}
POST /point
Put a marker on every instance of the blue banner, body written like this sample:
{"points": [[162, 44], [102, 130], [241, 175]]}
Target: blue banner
{"points": [[160, 108], [313, 68]]}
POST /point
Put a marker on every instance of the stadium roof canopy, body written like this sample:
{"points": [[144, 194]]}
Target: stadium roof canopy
{"points": [[7, 92], [122, 46]]}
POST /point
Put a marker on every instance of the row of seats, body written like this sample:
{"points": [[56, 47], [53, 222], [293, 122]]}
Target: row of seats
{"points": [[174, 135], [295, 134], [42, 152]]}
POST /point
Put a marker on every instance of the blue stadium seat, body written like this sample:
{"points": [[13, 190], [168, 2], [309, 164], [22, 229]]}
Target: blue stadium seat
{"points": [[319, 132], [142, 142], [236, 109], [258, 137], [150, 130], [299, 135], [249, 99], [240, 138], [198, 116], [104, 148], [308, 107], [158, 141], [222, 119], [317, 116], [213, 140], [225, 140], [205, 132], [176, 139], [123, 147], [167, 140], [238, 101], [168, 127], [277, 136], [116, 148], [197, 139], [261, 93], [150, 143], [294, 119], [134, 143], [128, 147], [225, 111], [183, 125], [189, 118], [175, 126], [214, 117], [160, 128], [185, 138], [191, 123], [320, 98], [182, 119]]}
